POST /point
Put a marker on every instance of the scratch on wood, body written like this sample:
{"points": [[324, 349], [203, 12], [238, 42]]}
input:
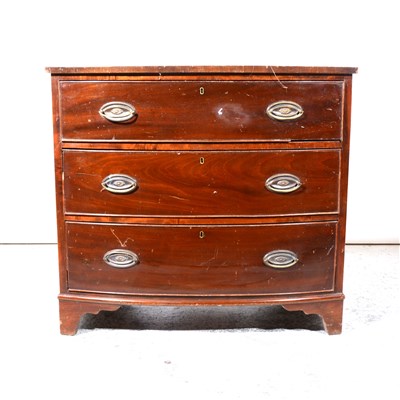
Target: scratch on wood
{"points": [[330, 249], [285, 87], [177, 198], [122, 244]]}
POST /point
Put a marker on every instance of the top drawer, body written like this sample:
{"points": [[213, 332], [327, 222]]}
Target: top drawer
{"points": [[201, 111]]}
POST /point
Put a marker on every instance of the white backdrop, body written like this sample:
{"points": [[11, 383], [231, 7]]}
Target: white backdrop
{"points": [[36, 34]]}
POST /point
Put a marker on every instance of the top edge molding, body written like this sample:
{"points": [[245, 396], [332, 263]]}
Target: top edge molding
{"points": [[187, 70]]}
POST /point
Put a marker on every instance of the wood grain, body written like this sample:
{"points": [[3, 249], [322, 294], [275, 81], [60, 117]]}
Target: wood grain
{"points": [[198, 70], [177, 111], [178, 184], [175, 260], [201, 228]]}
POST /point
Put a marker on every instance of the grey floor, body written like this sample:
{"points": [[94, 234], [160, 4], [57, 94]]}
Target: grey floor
{"points": [[197, 353]]}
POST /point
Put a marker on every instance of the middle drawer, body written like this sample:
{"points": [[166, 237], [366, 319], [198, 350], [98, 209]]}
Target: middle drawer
{"points": [[210, 183]]}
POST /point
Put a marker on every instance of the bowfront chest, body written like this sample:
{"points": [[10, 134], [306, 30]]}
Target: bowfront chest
{"points": [[201, 186]]}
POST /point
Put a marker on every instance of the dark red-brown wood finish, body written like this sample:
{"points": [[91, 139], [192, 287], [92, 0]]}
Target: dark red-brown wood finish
{"points": [[219, 186], [207, 111], [181, 260], [207, 183]]}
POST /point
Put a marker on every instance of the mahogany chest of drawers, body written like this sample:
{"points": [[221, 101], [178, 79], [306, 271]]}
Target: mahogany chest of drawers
{"points": [[201, 186]]}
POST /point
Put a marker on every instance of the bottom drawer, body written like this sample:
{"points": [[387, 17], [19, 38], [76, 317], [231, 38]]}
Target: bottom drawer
{"points": [[200, 260]]}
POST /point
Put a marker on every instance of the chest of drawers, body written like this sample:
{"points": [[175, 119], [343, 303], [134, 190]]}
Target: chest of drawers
{"points": [[201, 186]]}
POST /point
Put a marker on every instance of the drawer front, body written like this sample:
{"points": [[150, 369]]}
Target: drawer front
{"points": [[201, 111], [201, 260], [190, 183]]}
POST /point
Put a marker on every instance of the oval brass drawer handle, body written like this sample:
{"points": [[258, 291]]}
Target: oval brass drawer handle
{"points": [[119, 258], [117, 111], [280, 259], [284, 110], [283, 183], [119, 183]]}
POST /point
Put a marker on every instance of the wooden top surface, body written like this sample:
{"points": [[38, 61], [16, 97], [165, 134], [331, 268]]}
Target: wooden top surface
{"points": [[175, 70]]}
